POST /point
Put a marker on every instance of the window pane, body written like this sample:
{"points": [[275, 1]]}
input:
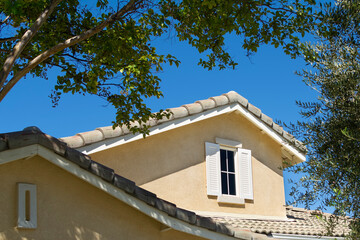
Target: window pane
{"points": [[231, 162], [232, 184], [224, 187], [223, 159]]}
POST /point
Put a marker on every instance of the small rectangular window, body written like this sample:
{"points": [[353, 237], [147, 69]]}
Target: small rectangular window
{"points": [[27, 206], [228, 179]]}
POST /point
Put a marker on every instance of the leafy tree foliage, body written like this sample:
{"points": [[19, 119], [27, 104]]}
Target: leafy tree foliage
{"points": [[107, 50], [332, 128]]}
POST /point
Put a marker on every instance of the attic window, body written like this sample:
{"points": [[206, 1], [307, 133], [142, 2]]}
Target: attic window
{"points": [[27, 206], [227, 167], [228, 171]]}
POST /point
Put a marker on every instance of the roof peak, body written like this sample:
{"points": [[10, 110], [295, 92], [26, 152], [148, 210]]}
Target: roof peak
{"points": [[186, 110]]}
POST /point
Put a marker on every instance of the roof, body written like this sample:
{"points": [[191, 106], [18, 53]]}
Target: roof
{"points": [[300, 221], [32, 135], [102, 133]]}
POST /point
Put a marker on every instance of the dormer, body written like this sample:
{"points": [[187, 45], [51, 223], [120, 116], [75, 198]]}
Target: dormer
{"points": [[218, 156]]}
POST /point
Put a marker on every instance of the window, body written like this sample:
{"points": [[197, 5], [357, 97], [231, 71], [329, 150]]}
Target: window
{"points": [[27, 212], [228, 171]]}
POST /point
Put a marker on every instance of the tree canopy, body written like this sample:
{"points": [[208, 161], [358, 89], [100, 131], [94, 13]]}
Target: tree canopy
{"points": [[107, 49], [331, 129]]}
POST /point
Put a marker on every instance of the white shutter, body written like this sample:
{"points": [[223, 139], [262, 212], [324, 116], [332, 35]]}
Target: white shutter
{"points": [[212, 168], [245, 174]]}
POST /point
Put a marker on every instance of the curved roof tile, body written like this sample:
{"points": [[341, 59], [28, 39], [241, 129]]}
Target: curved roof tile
{"points": [[186, 110], [304, 222]]}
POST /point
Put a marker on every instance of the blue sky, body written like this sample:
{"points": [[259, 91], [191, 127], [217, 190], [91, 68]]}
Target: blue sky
{"points": [[267, 79]]}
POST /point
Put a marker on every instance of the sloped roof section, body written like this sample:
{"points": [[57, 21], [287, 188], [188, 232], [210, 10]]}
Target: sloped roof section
{"points": [[32, 135], [301, 222], [102, 133]]}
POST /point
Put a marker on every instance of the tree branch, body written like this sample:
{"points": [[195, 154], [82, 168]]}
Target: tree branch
{"points": [[8, 39], [69, 42], [25, 39], [4, 21], [75, 58]]}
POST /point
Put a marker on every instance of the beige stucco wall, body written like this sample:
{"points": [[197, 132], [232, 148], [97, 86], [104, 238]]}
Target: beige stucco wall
{"points": [[172, 165], [69, 208]]}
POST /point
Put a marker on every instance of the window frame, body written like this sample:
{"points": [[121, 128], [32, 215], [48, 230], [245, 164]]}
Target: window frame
{"points": [[228, 198], [27, 206], [243, 185], [234, 150]]}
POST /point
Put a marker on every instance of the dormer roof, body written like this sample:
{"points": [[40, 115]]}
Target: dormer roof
{"points": [[106, 137]]}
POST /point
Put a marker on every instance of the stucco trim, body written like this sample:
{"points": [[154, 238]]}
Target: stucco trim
{"points": [[230, 199], [176, 123], [36, 149], [229, 143]]}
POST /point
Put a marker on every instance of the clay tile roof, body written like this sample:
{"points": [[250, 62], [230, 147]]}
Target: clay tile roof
{"points": [[99, 134], [300, 222]]}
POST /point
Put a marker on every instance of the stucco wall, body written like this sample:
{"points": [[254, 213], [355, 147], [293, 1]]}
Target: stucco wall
{"points": [[172, 164], [69, 208]]}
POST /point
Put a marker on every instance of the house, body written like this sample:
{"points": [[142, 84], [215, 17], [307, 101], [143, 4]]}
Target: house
{"points": [[213, 170]]}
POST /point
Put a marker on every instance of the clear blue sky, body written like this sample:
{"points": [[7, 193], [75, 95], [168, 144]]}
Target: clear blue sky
{"points": [[266, 79]]}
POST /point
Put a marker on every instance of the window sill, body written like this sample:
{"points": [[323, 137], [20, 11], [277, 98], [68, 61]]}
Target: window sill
{"points": [[230, 199]]}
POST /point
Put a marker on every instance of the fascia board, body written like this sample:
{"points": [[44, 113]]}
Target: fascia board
{"points": [[32, 150], [18, 153], [166, 126]]}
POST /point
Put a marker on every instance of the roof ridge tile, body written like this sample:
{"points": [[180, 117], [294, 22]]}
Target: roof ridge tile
{"points": [[92, 136], [110, 132], [220, 100], [193, 108], [186, 215], [254, 110], [235, 97], [82, 139], [207, 103], [179, 112]]}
